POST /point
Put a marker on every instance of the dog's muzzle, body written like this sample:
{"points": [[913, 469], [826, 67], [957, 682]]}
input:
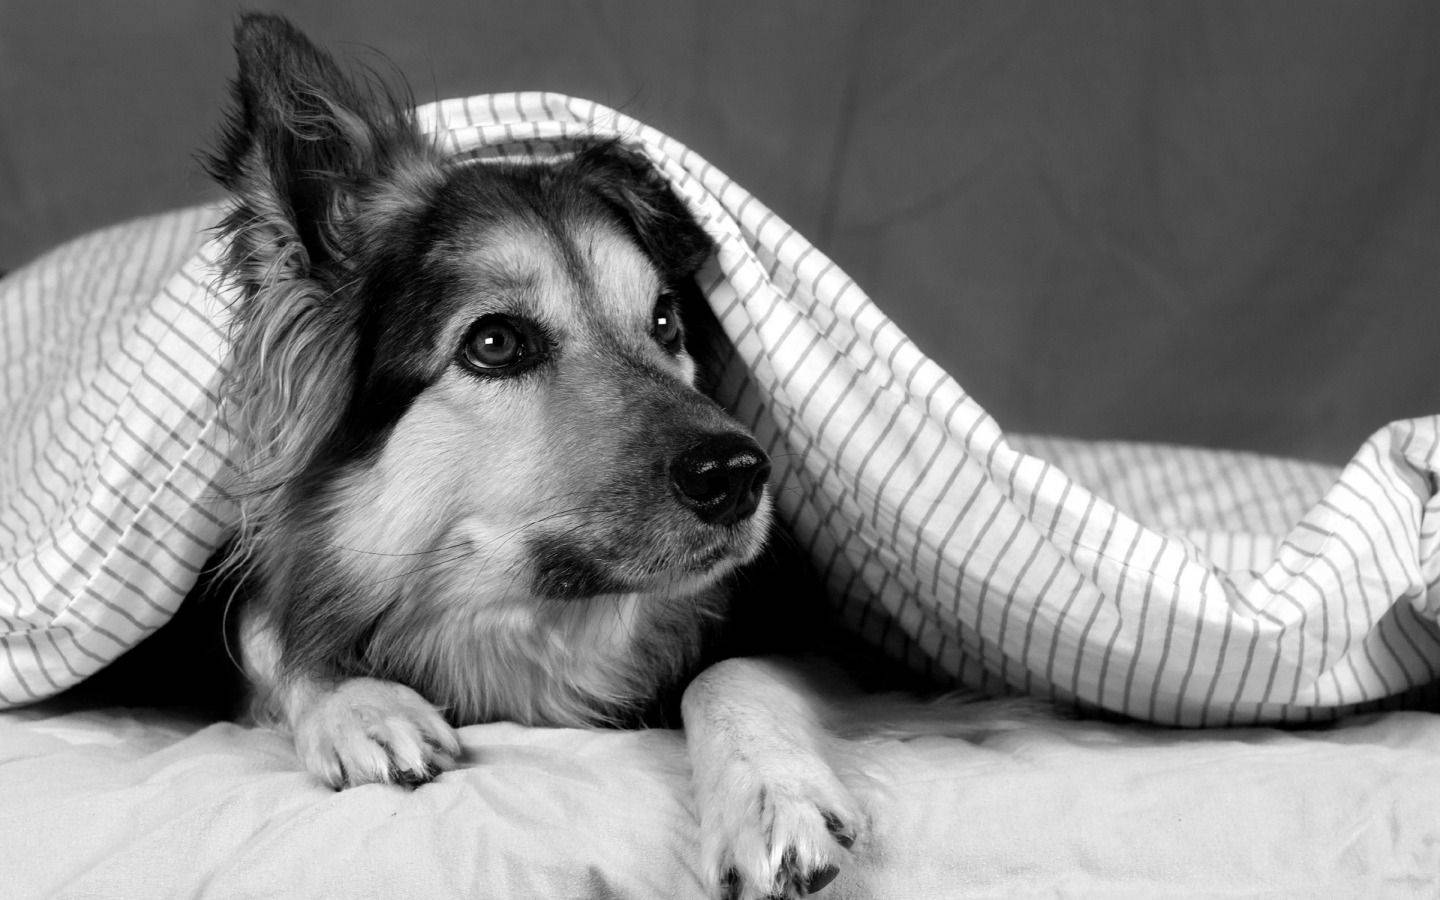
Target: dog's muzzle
{"points": [[721, 479]]}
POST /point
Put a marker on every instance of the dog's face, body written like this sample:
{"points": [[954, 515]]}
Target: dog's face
{"points": [[553, 432], [482, 464]]}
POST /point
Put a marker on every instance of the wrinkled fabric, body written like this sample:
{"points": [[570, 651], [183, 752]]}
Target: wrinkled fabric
{"points": [[120, 803], [939, 538]]}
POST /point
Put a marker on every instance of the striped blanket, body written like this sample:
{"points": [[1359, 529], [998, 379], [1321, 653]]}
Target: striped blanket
{"points": [[1175, 585]]}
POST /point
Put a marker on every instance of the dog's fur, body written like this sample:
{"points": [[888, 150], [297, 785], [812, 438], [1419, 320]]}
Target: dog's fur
{"points": [[479, 477]]}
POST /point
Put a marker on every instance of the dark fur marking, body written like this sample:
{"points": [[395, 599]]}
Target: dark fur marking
{"points": [[564, 571], [308, 152]]}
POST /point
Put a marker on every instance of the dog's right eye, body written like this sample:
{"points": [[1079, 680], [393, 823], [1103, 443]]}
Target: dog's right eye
{"points": [[665, 325], [499, 345]]}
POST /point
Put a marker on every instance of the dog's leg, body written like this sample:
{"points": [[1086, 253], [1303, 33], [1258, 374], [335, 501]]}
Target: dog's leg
{"points": [[349, 731], [775, 819]]}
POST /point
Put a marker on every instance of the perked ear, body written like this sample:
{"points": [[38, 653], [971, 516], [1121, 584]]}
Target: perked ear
{"points": [[305, 143], [317, 163]]}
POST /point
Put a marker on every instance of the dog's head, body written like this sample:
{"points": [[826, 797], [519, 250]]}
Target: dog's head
{"points": [[474, 450]]}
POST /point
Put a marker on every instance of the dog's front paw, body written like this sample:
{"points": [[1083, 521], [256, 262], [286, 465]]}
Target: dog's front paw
{"points": [[365, 730], [770, 829]]}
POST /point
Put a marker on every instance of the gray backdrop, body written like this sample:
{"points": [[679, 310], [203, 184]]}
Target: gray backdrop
{"points": [[1212, 223]]}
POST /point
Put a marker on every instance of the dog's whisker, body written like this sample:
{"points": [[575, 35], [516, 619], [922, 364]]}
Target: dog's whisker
{"points": [[502, 540], [420, 570], [382, 553]]}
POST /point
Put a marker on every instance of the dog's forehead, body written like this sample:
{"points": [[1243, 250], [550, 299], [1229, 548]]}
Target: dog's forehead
{"points": [[590, 269]]}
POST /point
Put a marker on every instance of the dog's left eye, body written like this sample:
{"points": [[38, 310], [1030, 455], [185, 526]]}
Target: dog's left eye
{"points": [[497, 345], [665, 325]]}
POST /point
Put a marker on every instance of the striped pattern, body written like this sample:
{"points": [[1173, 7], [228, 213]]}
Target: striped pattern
{"points": [[1232, 588], [108, 465]]}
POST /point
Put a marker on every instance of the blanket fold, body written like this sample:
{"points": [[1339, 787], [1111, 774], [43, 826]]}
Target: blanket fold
{"points": [[1175, 585]]}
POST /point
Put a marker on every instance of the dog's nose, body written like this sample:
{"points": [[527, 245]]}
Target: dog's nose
{"points": [[721, 478]]}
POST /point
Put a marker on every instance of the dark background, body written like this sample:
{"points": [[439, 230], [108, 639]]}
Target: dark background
{"points": [[1211, 223]]}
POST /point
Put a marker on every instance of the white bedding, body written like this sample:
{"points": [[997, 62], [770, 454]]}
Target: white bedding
{"points": [[1181, 585], [118, 803], [939, 539]]}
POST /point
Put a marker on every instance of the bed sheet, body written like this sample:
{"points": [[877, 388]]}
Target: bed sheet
{"points": [[939, 541], [136, 803], [112, 802]]}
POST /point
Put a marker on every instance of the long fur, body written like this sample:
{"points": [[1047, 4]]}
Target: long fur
{"points": [[446, 520], [353, 244], [310, 156]]}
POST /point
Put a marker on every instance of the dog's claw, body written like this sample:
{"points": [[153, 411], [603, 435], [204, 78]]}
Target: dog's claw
{"points": [[786, 877], [820, 879], [366, 731], [804, 867], [784, 843], [730, 885], [842, 834], [413, 779]]}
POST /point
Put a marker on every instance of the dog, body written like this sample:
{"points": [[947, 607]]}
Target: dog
{"points": [[480, 479]]}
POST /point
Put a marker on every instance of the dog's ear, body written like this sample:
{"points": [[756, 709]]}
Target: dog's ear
{"points": [[317, 163], [305, 143], [660, 220]]}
